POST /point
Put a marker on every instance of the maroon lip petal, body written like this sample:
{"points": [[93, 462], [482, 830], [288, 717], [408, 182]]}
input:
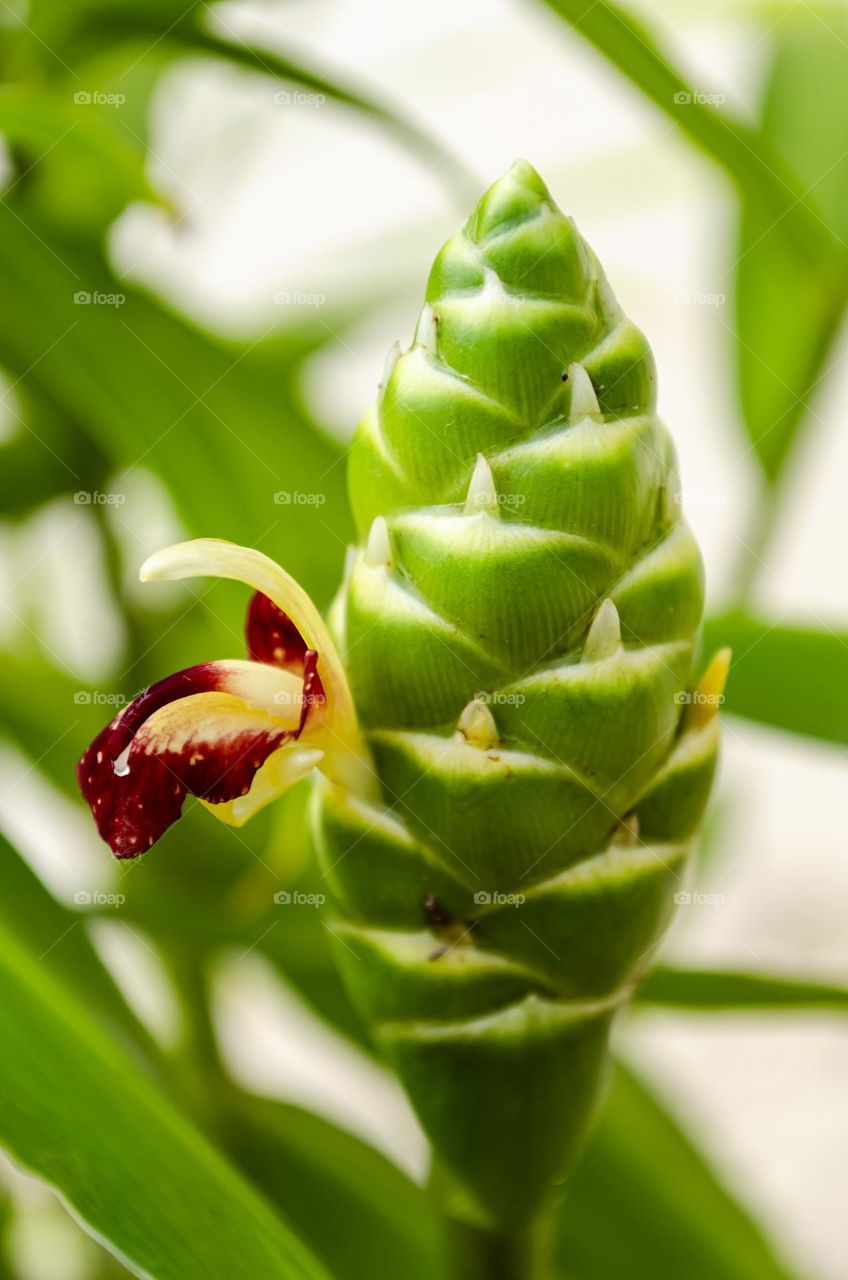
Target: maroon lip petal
{"points": [[271, 635], [133, 811], [273, 638], [135, 804]]}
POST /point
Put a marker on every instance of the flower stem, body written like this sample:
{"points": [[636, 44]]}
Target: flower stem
{"points": [[477, 1253]]}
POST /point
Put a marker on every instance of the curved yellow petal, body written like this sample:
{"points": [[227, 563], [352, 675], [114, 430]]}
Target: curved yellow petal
{"points": [[279, 772], [264, 687], [346, 757], [215, 558]]}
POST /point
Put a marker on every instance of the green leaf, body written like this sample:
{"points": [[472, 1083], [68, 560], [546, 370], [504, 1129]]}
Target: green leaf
{"points": [[383, 1225], [715, 990], [221, 423], [793, 678], [77, 1113], [45, 456], [293, 70], [57, 938], [788, 310], [644, 1204], [91, 26], [57, 124], [747, 157]]}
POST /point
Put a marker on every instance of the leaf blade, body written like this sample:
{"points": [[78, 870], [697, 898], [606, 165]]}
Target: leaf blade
{"points": [[788, 677], [382, 1223], [723, 990], [742, 152], [81, 1117], [787, 311]]}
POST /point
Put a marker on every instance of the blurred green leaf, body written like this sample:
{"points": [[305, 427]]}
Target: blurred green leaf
{"points": [[747, 157], [74, 33], [715, 990], [382, 1224], [222, 424], [294, 70], [644, 1204], [793, 678], [45, 455], [56, 123], [787, 309], [56, 937], [77, 1113]]}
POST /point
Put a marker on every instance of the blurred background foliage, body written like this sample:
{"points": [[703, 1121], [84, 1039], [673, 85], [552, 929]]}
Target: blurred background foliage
{"points": [[201, 430]]}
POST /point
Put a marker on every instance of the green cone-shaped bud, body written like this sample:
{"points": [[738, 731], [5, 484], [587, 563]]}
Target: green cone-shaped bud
{"points": [[518, 626]]}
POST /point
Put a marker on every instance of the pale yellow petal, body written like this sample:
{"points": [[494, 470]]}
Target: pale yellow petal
{"points": [[279, 772]]}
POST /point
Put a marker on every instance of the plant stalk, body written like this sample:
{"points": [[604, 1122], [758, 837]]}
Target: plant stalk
{"points": [[476, 1253]]}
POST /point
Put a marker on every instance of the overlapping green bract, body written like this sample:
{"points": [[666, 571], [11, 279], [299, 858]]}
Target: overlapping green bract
{"points": [[540, 784]]}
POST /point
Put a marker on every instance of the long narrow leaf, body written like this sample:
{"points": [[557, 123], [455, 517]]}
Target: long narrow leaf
{"points": [[719, 991], [382, 1223], [743, 153], [793, 678], [55, 936], [76, 1112], [220, 423], [787, 313]]}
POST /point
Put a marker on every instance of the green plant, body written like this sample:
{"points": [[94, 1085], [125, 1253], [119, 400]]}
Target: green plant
{"points": [[515, 637], [518, 628], [166, 1162]]}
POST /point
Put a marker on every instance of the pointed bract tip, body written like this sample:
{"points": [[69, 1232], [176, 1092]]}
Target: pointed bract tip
{"points": [[626, 833], [425, 330], [477, 725], [516, 196], [671, 496], [378, 549], [584, 402], [481, 490], [610, 304], [708, 694], [391, 360], [604, 638], [523, 172]]}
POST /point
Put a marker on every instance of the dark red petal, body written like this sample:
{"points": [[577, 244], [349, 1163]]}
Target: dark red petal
{"points": [[271, 635], [132, 808], [273, 638]]}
